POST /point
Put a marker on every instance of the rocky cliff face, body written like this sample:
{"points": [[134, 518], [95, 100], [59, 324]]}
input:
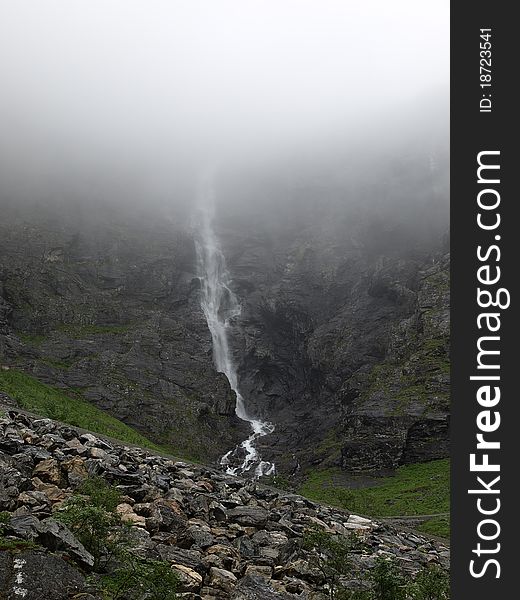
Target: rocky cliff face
{"points": [[368, 377], [342, 341], [226, 538], [109, 309], [344, 337]]}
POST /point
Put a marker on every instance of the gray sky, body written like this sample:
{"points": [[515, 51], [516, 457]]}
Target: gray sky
{"points": [[165, 82]]}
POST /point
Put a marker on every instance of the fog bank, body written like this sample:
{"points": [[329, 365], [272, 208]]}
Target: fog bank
{"points": [[130, 99]]}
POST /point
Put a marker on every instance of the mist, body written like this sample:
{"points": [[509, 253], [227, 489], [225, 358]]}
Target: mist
{"points": [[224, 224], [130, 99]]}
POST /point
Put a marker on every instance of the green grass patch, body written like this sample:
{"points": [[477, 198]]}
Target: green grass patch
{"points": [[439, 526], [78, 331], [56, 404], [278, 481], [419, 489], [31, 339], [7, 543], [16, 544], [63, 365]]}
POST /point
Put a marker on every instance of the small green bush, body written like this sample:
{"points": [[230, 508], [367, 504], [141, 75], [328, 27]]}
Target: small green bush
{"points": [[139, 578], [385, 581], [91, 515], [100, 493], [331, 555], [92, 525], [4, 519], [431, 583]]}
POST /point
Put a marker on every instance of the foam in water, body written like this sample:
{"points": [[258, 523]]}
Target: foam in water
{"points": [[220, 306]]}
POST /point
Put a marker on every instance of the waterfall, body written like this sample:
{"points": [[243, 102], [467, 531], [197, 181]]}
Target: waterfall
{"points": [[220, 306]]}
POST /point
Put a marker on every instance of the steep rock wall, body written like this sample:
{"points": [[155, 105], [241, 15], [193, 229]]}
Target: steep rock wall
{"points": [[342, 341], [111, 311]]}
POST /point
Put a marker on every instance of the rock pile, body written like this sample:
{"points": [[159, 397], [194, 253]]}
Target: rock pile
{"points": [[227, 538]]}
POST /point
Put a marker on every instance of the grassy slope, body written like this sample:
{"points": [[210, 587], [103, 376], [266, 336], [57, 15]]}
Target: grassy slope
{"points": [[34, 396], [420, 489]]}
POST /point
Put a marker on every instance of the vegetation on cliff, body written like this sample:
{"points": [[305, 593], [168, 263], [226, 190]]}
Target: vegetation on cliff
{"points": [[51, 402]]}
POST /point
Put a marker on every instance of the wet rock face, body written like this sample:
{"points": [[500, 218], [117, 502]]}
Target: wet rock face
{"points": [[111, 309], [343, 342], [226, 538]]}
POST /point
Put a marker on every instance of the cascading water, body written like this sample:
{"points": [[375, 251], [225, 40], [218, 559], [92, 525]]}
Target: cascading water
{"points": [[220, 306]]}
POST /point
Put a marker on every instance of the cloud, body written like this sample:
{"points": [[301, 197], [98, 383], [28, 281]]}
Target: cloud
{"points": [[155, 87]]}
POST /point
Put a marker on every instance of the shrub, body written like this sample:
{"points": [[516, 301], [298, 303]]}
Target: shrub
{"points": [[139, 578], [90, 515], [92, 525], [4, 520], [331, 555], [431, 583], [100, 493], [387, 581]]}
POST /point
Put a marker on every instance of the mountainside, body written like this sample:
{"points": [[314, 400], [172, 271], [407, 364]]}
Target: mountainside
{"points": [[342, 341], [110, 311], [346, 350]]}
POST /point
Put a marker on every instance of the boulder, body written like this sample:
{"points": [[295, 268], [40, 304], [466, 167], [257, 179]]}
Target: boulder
{"points": [[31, 575], [195, 536], [221, 579], [129, 516], [75, 470], [255, 587], [248, 515], [25, 526], [190, 580], [57, 536], [48, 470]]}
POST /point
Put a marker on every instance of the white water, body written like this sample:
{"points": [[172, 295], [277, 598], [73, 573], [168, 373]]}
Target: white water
{"points": [[220, 306]]}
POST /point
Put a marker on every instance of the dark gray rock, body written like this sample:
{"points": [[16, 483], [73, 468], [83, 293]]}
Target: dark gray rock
{"points": [[56, 536], [12, 482], [195, 537], [245, 545], [256, 588], [248, 515], [24, 526], [188, 558], [34, 575]]}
